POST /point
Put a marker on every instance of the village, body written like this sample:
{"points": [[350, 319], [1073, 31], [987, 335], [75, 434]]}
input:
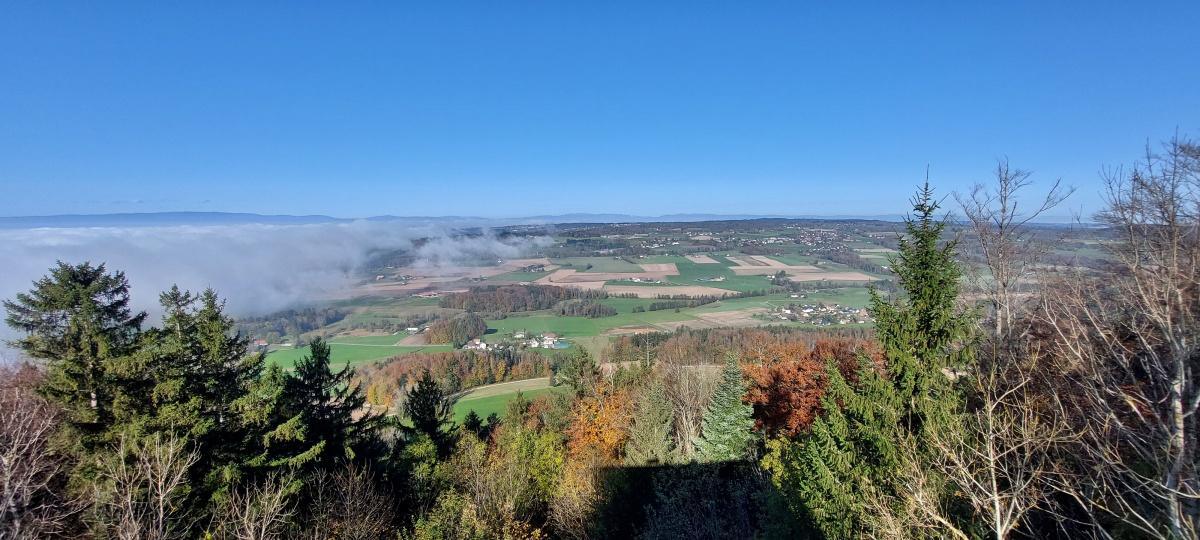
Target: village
{"points": [[819, 314], [520, 340]]}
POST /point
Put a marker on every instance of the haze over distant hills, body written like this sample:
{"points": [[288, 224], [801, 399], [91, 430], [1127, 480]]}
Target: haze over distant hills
{"points": [[163, 219]]}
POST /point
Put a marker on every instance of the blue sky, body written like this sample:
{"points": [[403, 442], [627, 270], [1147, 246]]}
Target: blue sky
{"points": [[523, 108]]}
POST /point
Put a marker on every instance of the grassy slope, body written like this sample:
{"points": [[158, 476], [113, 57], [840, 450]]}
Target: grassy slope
{"points": [[388, 340], [494, 398]]}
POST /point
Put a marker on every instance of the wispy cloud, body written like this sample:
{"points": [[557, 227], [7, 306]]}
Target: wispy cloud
{"points": [[257, 268]]}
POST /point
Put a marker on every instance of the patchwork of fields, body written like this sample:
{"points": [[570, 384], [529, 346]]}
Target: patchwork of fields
{"points": [[723, 313], [712, 274]]}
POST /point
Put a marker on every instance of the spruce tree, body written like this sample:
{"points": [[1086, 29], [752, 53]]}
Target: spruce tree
{"points": [[186, 379], [429, 410], [727, 428], [473, 423], [77, 319], [851, 451], [650, 436], [316, 425]]}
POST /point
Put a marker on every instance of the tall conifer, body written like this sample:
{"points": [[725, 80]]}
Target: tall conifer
{"points": [[650, 435], [852, 452], [727, 429], [319, 425], [77, 320]]}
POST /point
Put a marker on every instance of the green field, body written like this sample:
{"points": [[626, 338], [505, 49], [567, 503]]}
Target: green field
{"points": [[494, 398], [599, 264], [689, 272], [342, 353], [517, 276], [389, 340]]}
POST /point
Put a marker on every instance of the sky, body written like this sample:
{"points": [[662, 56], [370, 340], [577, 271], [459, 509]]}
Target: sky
{"points": [[505, 109]]}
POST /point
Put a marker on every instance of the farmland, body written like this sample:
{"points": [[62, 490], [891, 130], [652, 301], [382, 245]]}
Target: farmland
{"points": [[731, 261]]}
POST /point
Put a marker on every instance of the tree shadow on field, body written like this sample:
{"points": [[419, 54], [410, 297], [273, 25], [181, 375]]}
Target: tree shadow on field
{"points": [[695, 500]]}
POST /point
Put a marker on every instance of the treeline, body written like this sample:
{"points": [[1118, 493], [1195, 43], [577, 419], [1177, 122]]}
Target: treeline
{"points": [[584, 308], [714, 344], [290, 322], [514, 298], [785, 283], [678, 304], [575, 247], [456, 330], [710, 298]]}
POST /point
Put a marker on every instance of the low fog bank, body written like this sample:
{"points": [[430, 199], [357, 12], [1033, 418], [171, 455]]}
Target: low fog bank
{"points": [[257, 268]]}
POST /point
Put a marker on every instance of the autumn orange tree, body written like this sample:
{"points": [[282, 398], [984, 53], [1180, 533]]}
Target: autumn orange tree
{"points": [[788, 379], [600, 426]]}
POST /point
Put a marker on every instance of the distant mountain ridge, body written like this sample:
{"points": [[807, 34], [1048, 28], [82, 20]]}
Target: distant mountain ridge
{"points": [[165, 219]]}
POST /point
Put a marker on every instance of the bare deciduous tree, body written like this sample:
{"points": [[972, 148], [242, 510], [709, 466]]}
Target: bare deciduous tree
{"points": [[256, 512], [30, 504], [1002, 457], [348, 505], [1130, 344], [689, 386], [141, 488], [917, 510], [1000, 225]]}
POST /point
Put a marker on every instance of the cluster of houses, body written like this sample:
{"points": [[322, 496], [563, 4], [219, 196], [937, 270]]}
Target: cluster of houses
{"points": [[479, 345], [657, 245], [767, 240], [822, 314], [817, 240], [641, 280], [548, 340]]}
